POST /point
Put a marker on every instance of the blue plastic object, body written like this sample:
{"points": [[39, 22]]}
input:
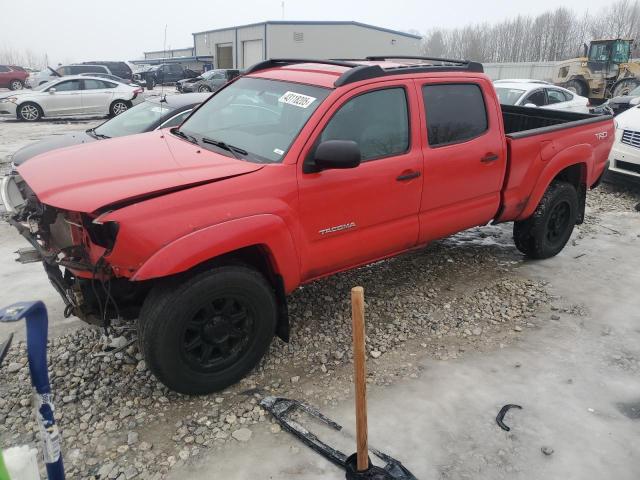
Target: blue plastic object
{"points": [[35, 314]]}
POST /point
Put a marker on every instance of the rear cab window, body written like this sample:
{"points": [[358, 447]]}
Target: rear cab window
{"points": [[455, 113]]}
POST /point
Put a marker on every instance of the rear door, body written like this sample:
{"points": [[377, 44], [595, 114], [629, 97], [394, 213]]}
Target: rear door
{"points": [[357, 215], [97, 96], [464, 155], [63, 98]]}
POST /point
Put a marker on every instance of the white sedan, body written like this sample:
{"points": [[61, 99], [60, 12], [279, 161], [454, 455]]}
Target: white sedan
{"points": [[532, 93], [70, 96], [625, 155]]}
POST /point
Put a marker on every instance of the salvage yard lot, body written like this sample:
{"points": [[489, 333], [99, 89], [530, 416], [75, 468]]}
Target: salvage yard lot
{"points": [[458, 329]]}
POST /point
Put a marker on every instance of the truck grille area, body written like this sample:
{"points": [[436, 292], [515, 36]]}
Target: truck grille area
{"points": [[631, 137], [631, 167]]}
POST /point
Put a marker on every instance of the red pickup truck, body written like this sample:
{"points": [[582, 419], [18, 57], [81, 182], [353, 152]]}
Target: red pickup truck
{"points": [[296, 170]]}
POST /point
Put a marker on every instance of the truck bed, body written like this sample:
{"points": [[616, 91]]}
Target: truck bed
{"points": [[539, 138], [520, 122]]}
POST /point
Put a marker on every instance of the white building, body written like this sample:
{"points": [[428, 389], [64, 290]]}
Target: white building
{"points": [[242, 46]]}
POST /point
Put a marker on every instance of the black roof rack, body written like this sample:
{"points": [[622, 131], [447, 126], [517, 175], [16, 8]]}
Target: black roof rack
{"points": [[358, 72], [280, 62]]}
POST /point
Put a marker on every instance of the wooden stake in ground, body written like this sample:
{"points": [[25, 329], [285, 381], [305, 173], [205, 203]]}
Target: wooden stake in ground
{"points": [[360, 376]]}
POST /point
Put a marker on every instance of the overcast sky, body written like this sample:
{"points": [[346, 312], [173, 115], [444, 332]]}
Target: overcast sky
{"points": [[77, 30]]}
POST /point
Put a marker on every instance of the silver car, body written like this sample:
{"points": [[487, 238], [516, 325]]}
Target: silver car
{"points": [[71, 96]]}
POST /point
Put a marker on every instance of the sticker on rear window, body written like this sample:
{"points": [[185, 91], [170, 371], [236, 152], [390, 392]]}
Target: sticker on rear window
{"points": [[296, 99]]}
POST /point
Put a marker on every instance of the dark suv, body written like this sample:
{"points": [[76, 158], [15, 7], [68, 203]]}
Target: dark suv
{"points": [[119, 69]]}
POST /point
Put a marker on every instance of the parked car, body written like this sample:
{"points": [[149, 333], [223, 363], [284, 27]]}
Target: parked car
{"points": [[12, 77], [200, 231], [209, 81], [164, 73], [540, 94], [41, 77], [48, 74], [625, 155], [120, 69], [70, 96], [617, 105], [152, 114], [114, 78]]}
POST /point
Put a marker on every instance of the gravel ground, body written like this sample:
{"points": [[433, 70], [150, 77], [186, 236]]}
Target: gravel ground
{"points": [[460, 295]]}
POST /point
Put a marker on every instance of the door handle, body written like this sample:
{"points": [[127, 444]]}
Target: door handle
{"points": [[408, 176], [489, 157]]}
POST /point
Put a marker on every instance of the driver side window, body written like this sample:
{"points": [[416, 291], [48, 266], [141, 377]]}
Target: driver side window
{"points": [[377, 121], [67, 86]]}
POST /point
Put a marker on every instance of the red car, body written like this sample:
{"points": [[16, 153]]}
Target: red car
{"points": [[293, 171], [12, 77]]}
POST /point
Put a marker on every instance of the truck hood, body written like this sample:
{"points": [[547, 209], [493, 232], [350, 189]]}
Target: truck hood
{"points": [[89, 177]]}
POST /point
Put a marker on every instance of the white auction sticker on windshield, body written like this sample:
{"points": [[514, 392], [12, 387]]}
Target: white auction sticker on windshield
{"points": [[296, 99]]}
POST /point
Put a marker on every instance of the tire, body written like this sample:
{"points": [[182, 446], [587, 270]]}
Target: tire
{"points": [[29, 112], [205, 333], [150, 83], [203, 88], [118, 107], [16, 85], [578, 87], [623, 87], [547, 231]]}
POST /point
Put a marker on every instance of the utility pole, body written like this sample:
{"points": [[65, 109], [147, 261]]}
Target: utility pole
{"points": [[282, 4]]}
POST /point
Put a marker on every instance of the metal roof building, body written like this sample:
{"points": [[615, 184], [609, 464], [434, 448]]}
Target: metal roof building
{"points": [[242, 46]]}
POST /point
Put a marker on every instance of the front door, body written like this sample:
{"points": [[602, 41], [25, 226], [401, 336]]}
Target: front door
{"points": [[63, 98], [464, 156], [358, 215]]}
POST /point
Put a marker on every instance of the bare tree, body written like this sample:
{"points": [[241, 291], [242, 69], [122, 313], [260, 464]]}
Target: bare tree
{"points": [[553, 35]]}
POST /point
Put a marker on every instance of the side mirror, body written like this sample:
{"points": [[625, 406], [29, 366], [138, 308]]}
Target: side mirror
{"points": [[52, 90], [332, 154], [531, 105]]}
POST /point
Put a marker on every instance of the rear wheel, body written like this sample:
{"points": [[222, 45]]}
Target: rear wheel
{"points": [[29, 112], [209, 331], [118, 107], [624, 87], [578, 87], [16, 85], [548, 230]]}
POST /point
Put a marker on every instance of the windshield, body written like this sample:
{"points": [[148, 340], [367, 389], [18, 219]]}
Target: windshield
{"points": [[259, 118], [509, 96], [137, 119]]}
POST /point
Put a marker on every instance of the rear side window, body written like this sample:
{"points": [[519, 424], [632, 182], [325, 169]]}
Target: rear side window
{"points": [[455, 113], [556, 96], [377, 121]]}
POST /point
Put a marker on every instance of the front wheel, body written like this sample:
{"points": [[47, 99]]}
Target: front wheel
{"points": [[624, 87], [207, 332], [16, 85], [29, 112], [118, 107], [203, 89], [547, 231]]}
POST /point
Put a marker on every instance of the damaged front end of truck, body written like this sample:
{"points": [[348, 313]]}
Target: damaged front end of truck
{"points": [[72, 247]]}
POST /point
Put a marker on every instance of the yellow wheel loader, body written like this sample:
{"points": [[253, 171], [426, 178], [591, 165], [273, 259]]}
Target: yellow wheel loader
{"points": [[605, 70]]}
